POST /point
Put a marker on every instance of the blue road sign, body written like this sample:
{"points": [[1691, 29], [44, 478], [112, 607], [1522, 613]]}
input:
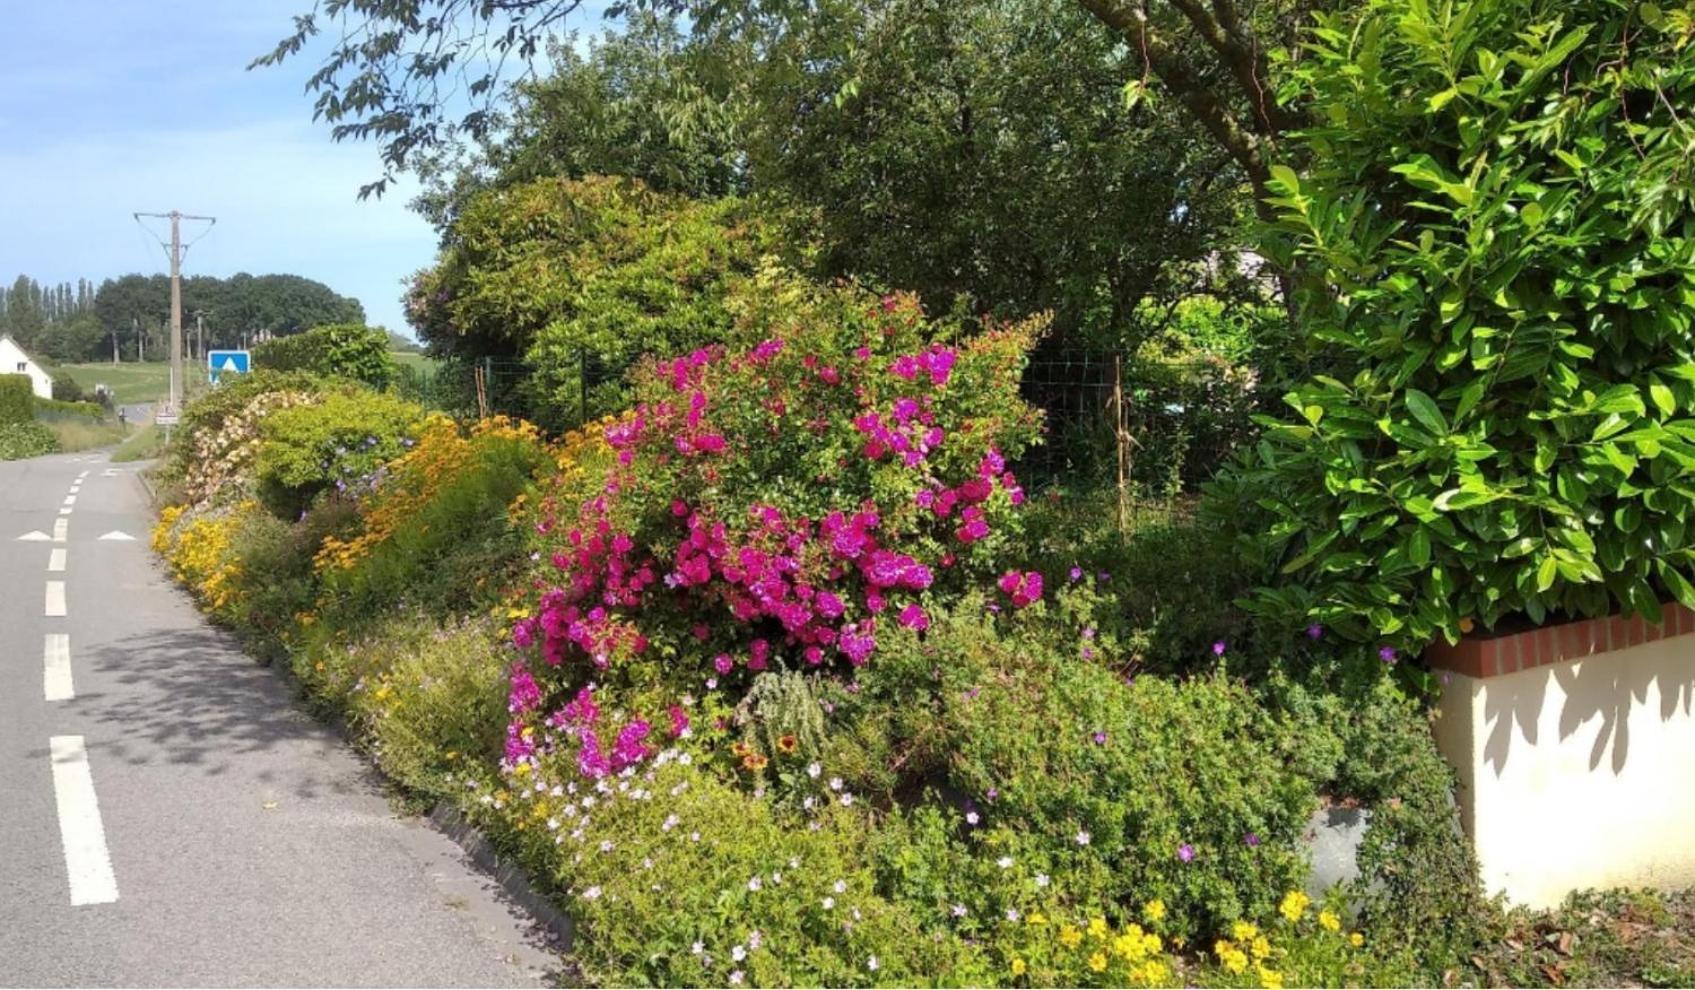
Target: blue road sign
{"points": [[227, 363]]}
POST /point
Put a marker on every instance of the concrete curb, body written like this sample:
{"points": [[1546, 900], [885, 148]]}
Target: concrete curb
{"points": [[512, 878]]}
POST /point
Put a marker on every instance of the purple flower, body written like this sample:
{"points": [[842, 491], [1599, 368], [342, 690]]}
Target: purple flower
{"points": [[1076, 574], [1186, 852], [1387, 654], [1100, 737], [1218, 648], [1250, 839], [1315, 631]]}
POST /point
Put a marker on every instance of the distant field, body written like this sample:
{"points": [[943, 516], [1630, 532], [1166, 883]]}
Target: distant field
{"points": [[149, 382], [131, 382], [419, 361]]}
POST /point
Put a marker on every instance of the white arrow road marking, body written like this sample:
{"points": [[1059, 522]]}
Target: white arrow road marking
{"points": [[56, 560], [56, 668], [87, 861], [118, 534], [34, 536], [60, 526], [55, 599]]}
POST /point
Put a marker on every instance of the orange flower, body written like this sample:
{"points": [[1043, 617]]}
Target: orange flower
{"points": [[788, 744], [739, 748], [753, 761]]}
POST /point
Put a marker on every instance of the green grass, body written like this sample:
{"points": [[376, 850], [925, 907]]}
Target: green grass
{"points": [[143, 445], [130, 382], [80, 434], [422, 362]]}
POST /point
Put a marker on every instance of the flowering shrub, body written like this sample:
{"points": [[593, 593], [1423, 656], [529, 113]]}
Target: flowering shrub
{"points": [[787, 502], [211, 459], [338, 441]]}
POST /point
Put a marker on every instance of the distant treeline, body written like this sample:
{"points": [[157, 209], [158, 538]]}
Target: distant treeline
{"points": [[78, 321]]}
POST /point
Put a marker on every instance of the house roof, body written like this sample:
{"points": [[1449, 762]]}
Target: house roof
{"points": [[27, 355]]}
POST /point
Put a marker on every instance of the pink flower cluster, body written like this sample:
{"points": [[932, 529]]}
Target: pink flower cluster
{"points": [[936, 361], [783, 569], [909, 430], [967, 497], [1024, 588], [579, 718]]}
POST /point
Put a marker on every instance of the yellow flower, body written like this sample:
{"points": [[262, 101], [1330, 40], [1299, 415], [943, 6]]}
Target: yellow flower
{"points": [[1154, 910], [1270, 979], [1356, 940], [1234, 959], [1097, 928], [1070, 937], [1036, 918], [1244, 931], [1154, 971], [1329, 921], [1097, 962], [1294, 905], [1019, 967], [1261, 948]]}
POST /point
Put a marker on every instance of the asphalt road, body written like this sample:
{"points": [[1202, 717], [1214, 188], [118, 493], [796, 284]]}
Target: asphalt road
{"points": [[169, 816]]}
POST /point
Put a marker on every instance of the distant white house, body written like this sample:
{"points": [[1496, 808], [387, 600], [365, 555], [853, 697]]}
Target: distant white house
{"points": [[13, 361]]}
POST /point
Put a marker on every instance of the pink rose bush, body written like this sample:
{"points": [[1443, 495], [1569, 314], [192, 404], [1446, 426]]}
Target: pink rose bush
{"points": [[787, 500]]}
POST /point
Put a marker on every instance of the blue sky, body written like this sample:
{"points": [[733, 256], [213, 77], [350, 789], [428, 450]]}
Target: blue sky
{"points": [[114, 106]]}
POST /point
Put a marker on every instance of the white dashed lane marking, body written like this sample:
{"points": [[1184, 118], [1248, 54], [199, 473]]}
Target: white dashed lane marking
{"points": [[56, 668], [55, 599], [60, 527], [88, 864], [56, 560]]}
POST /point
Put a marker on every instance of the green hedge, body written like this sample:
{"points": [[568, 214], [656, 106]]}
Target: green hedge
{"points": [[17, 399], [344, 350]]}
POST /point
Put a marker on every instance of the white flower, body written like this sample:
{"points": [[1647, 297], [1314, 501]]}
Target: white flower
{"points": [[829, 903], [557, 791], [694, 836], [813, 770], [794, 862], [553, 824], [1041, 879], [841, 886], [1082, 837], [755, 884], [696, 949], [685, 759], [736, 977], [871, 964], [669, 823], [754, 938], [591, 893], [847, 800], [776, 878], [971, 818], [835, 783], [606, 845], [808, 803], [958, 910], [647, 862], [1012, 914], [1005, 862], [738, 953]]}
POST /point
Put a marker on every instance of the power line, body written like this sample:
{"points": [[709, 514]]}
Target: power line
{"points": [[176, 249]]}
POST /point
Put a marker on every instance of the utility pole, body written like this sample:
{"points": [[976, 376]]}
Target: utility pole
{"points": [[176, 249], [140, 342]]}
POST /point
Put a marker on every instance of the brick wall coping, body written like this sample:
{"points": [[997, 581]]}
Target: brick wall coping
{"points": [[1486, 655]]}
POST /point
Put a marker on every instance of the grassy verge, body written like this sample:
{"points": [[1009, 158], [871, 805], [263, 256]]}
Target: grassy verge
{"points": [[142, 445], [75, 435]]}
